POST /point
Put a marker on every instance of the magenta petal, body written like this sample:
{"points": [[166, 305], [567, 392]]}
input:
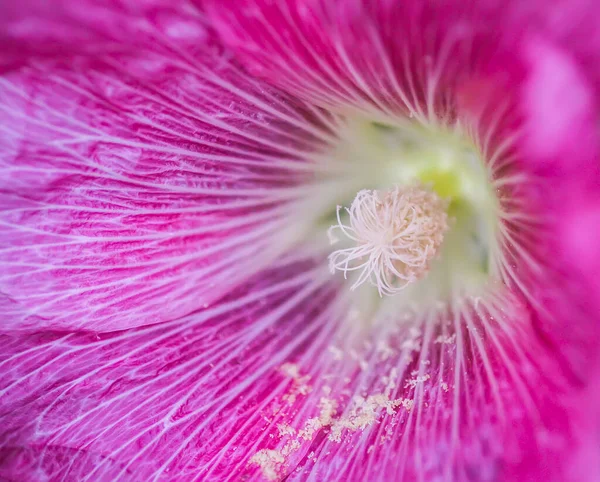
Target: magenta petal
{"points": [[560, 151], [560, 108], [488, 402], [43, 30], [145, 179], [377, 55], [136, 187], [57, 463], [199, 398], [185, 400]]}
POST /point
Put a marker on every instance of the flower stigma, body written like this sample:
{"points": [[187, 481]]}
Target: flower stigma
{"points": [[397, 234]]}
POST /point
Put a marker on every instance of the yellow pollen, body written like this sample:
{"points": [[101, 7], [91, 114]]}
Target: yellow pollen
{"points": [[395, 233]]}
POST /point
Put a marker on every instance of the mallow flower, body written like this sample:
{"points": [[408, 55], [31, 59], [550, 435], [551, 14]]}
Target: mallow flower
{"points": [[310, 240]]}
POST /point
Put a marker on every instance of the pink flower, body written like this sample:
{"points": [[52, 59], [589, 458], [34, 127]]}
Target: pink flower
{"points": [[169, 174]]}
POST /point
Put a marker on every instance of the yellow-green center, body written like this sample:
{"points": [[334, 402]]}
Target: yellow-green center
{"points": [[379, 157]]}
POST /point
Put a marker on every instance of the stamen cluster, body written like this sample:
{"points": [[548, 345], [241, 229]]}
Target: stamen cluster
{"points": [[397, 233]]}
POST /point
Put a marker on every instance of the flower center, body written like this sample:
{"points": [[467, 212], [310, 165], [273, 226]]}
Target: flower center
{"points": [[396, 235], [425, 219]]}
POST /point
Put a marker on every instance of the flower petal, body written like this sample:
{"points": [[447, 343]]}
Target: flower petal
{"points": [[468, 394], [41, 30], [484, 391], [390, 56], [560, 150], [183, 400], [139, 185], [279, 370]]}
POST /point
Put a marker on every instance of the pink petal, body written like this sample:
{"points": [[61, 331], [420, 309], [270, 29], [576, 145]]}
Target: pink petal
{"points": [[480, 398], [183, 400], [139, 185], [488, 402], [42, 30], [376, 56], [561, 111], [497, 390], [560, 149]]}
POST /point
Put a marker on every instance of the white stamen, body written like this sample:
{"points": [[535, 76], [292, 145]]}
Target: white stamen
{"points": [[396, 234]]}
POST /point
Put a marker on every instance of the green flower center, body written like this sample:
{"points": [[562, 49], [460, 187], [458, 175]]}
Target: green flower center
{"points": [[447, 162]]}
